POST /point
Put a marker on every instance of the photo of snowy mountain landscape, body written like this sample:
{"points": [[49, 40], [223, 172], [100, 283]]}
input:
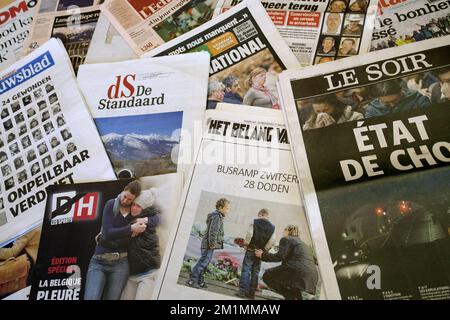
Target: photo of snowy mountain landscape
{"points": [[144, 144]]}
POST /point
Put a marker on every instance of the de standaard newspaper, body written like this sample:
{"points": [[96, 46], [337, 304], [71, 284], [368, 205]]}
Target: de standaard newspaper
{"points": [[145, 113], [16, 18], [402, 22], [83, 220], [41, 141], [373, 158], [71, 22], [247, 54], [241, 215], [146, 24], [320, 31]]}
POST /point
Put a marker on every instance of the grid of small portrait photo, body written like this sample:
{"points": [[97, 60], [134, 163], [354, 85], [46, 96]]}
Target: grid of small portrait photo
{"points": [[342, 29], [33, 137]]}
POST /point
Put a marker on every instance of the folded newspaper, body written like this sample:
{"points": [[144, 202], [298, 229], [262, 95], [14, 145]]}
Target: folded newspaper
{"points": [[41, 140], [247, 54], [101, 253], [241, 214], [320, 31], [72, 24], [402, 22], [373, 157], [16, 18], [146, 113], [149, 23]]}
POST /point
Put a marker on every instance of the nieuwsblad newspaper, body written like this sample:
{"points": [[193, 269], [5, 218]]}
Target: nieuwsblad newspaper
{"points": [[145, 113], [402, 22], [16, 18], [247, 54], [107, 45], [146, 24], [82, 218], [242, 202], [373, 158], [41, 140], [319, 31], [72, 22]]}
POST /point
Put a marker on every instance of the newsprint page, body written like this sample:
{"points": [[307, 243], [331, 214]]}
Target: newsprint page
{"points": [[144, 112], [373, 158], [241, 215], [41, 141], [319, 31], [246, 52]]}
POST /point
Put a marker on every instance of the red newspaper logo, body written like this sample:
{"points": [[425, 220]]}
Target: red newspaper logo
{"points": [[86, 207]]}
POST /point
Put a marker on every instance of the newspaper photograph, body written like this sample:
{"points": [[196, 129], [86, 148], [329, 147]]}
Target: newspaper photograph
{"points": [[146, 24], [145, 113], [107, 45], [247, 54], [73, 22], [243, 232], [402, 22], [16, 18], [41, 141], [373, 158], [111, 238], [319, 31]]}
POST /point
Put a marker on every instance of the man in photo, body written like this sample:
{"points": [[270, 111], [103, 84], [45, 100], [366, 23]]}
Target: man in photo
{"points": [[66, 135], [18, 163], [35, 168], [8, 125], [22, 176], [6, 170], [26, 142], [31, 155], [11, 137], [30, 112], [14, 149], [9, 183], [348, 47], [328, 46], [19, 118], [42, 104], [108, 269], [4, 113], [71, 147], [260, 236], [37, 135], [216, 92], [354, 26], [56, 108], [337, 6], [15, 106], [3, 156], [232, 88], [54, 142], [42, 148], [320, 60], [26, 100], [60, 121], [392, 99], [38, 94], [33, 123], [212, 240], [59, 155], [53, 98], [23, 129], [333, 23], [49, 88], [47, 161], [45, 116], [440, 90], [48, 127]]}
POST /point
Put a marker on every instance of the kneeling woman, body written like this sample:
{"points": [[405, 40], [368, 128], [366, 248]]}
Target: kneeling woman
{"points": [[297, 272]]}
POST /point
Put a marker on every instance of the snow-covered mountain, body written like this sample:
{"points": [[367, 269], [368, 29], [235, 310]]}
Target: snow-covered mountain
{"points": [[136, 146]]}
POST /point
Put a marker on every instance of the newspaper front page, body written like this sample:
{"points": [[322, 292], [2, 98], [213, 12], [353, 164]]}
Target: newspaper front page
{"points": [[107, 45], [146, 24], [247, 54], [145, 113], [82, 219], [402, 22], [41, 140], [16, 18], [68, 21], [373, 158], [320, 31], [240, 214]]}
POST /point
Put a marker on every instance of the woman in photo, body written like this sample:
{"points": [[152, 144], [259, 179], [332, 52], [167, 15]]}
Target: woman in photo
{"points": [[298, 271], [259, 95]]}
